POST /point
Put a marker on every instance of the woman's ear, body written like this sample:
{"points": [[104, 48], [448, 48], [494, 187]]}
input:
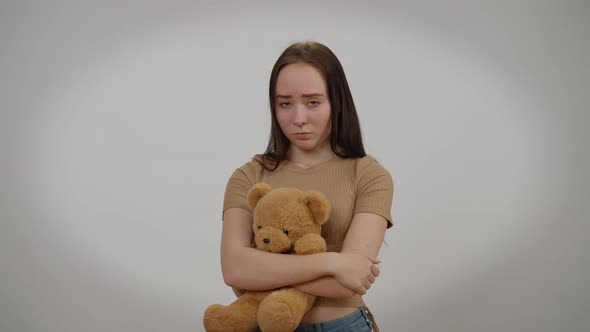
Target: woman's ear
{"points": [[319, 205], [257, 192]]}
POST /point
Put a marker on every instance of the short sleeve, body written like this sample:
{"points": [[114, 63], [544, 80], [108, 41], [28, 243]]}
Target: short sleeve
{"points": [[374, 189], [238, 185]]}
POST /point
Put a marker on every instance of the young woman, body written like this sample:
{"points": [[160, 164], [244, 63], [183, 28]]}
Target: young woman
{"points": [[315, 144]]}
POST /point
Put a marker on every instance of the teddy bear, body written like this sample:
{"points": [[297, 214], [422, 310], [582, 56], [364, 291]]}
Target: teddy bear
{"points": [[285, 220]]}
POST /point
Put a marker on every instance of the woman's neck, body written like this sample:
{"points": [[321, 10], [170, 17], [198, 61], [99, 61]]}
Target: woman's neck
{"points": [[310, 158]]}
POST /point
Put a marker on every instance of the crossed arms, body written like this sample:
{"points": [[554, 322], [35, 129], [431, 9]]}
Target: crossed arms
{"points": [[331, 274]]}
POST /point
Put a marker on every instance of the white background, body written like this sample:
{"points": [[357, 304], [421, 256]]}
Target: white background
{"points": [[122, 121]]}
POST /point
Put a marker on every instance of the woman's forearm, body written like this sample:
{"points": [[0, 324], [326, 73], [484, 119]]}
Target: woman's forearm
{"points": [[239, 292], [325, 286], [253, 269]]}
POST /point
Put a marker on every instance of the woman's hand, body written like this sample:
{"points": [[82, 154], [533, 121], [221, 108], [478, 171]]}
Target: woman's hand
{"points": [[355, 271]]}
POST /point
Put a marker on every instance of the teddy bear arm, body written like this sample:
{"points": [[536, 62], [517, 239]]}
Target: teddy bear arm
{"points": [[310, 244]]}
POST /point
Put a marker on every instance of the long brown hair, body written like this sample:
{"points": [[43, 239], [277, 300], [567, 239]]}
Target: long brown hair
{"points": [[345, 138]]}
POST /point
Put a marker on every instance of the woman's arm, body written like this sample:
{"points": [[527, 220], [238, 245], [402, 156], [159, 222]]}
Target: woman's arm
{"points": [[238, 291], [248, 268], [251, 269], [325, 286], [365, 235]]}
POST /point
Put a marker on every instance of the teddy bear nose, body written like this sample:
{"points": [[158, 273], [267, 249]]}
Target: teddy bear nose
{"points": [[267, 240]]}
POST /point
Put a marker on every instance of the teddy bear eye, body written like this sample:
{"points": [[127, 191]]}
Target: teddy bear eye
{"points": [[286, 231], [259, 227]]}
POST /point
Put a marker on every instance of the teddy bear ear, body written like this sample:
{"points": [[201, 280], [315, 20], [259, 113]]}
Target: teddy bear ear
{"points": [[319, 205], [257, 192]]}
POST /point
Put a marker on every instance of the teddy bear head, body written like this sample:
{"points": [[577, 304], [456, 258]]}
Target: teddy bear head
{"points": [[284, 215]]}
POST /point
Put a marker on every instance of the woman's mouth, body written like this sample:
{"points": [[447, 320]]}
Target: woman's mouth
{"points": [[302, 136]]}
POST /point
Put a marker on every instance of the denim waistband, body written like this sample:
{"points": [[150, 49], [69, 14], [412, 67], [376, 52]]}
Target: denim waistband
{"points": [[333, 325]]}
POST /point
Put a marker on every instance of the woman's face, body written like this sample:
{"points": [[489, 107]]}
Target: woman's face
{"points": [[302, 106]]}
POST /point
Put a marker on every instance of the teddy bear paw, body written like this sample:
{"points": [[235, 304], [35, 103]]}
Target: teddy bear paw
{"points": [[276, 317]]}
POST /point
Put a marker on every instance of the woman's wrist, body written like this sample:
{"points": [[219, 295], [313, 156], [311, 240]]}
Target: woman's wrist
{"points": [[330, 261]]}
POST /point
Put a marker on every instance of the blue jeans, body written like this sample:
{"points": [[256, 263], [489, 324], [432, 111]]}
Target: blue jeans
{"points": [[358, 321]]}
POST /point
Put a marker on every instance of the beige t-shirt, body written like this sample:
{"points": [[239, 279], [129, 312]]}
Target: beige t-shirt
{"points": [[352, 185]]}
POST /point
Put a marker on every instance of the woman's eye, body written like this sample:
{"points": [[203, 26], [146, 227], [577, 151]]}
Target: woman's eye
{"points": [[286, 104]]}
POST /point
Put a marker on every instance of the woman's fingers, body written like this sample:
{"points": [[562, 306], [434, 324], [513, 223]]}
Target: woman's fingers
{"points": [[375, 270], [374, 260], [361, 290], [356, 271]]}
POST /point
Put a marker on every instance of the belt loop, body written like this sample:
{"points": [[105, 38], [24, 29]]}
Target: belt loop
{"points": [[317, 327], [365, 313]]}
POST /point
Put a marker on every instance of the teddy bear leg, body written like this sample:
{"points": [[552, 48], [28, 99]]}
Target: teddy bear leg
{"points": [[239, 316], [283, 309]]}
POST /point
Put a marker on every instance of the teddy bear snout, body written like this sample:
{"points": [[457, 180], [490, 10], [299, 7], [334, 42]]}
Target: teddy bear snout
{"points": [[273, 240]]}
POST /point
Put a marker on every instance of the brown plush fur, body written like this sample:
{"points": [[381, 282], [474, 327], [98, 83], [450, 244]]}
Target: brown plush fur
{"points": [[286, 220]]}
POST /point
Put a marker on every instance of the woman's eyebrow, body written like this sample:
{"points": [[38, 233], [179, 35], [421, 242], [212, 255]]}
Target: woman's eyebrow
{"points": [[304, 95]]}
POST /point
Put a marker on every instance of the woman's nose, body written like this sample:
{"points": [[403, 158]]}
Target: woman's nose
{"points": [[300, 116]]}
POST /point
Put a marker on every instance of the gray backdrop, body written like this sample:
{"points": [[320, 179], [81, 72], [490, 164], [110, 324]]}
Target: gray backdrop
{"points": [[122, 121]]}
